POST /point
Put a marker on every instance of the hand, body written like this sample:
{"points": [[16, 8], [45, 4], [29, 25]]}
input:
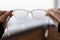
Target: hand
{"points": [[4, 16], [54, 14]]}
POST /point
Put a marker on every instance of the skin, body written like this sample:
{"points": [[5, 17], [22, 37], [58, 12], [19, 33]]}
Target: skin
{"points": [[4, 16], [54, 14]]}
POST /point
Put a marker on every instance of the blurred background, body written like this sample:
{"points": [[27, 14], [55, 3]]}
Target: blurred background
{"points": [[26, 4]]}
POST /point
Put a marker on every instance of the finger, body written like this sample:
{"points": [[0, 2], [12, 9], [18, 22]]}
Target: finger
{"points": [[51, 14], [4, 17], [2, 12], [9, 17], [54, 20], [54, 13], [57, 10], [8, 13], [51, 10]]}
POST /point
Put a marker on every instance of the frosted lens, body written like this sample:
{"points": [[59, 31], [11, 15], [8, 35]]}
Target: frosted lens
{"points": [[20, 13], [39, 14]]}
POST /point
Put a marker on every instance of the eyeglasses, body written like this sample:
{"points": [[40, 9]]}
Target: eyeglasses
{"points": [[36, 14]]}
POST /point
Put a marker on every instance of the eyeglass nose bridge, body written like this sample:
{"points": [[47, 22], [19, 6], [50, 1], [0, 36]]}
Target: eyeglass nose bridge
{"points": [[29, 11]]}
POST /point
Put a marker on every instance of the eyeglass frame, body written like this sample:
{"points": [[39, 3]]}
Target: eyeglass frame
{"points": [[28, 12]]}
